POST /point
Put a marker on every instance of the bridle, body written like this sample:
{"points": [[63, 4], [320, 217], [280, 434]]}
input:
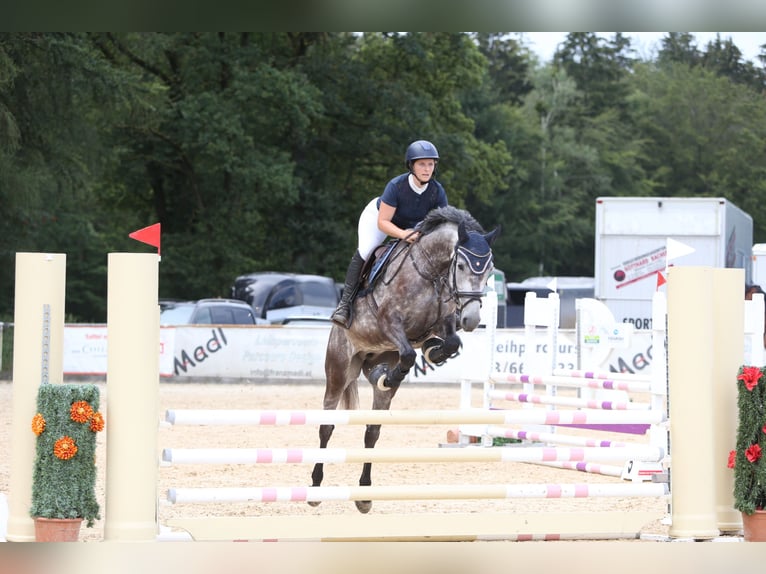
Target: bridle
{"points": [[478, 264]]}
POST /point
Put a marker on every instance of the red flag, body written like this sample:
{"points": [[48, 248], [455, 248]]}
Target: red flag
{"points": [[149, 235], [660, 279]]}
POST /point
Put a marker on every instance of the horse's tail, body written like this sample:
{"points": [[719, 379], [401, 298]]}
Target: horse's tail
{"points": [[350, 398]]}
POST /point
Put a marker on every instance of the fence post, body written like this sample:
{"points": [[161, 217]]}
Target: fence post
{"points": [[133, 370], [38, 318]]}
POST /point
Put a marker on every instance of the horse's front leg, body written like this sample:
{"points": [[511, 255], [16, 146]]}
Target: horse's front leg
{"points": [[325, 432], [381, 401], [436, 350], [371, 436], [386, 377]]}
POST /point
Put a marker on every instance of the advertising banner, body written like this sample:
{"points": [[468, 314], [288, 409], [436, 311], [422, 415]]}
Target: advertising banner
{"points": [[297, 353]]}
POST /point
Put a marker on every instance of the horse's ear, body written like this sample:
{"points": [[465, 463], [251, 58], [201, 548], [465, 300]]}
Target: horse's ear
{"points": [[492, 235], [462, 234]]}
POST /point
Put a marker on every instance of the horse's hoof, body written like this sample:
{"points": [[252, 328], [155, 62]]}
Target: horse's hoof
{"points": [[314, 502], [363, 506]]}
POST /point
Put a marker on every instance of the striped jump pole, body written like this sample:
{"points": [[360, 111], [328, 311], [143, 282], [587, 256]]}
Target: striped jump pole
{"points": [[406, 455], [567, 401], [614, 376], [589, 467], [533, 436], [382, 417], [613, 384], [412, 492]]}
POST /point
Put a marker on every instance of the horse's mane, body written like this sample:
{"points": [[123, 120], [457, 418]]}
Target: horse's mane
{"points": [[449, 214]]}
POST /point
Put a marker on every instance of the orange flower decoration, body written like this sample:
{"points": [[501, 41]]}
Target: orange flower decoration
{"points": [[38, 424], [97, 422], [65, 448], [81, 412]]}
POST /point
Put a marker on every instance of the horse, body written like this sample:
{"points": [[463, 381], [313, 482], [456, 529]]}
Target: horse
{"points": [[426, 291]]}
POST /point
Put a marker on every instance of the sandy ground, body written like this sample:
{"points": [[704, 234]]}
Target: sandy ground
{"points": [[309, 396]]}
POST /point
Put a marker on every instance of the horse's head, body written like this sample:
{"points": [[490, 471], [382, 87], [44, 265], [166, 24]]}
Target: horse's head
{"points": [[473, 266]]}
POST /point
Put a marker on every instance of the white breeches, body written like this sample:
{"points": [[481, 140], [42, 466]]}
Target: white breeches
{"points": [[369, 234]]}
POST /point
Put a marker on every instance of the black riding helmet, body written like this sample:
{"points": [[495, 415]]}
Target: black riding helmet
{"points": [[420, 149]]}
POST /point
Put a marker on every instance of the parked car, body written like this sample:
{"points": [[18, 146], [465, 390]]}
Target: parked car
{"points": [[275, 296], [206, 312]]}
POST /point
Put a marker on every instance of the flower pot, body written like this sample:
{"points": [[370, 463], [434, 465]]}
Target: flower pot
{"points": [[57, 529], [754, 526]]}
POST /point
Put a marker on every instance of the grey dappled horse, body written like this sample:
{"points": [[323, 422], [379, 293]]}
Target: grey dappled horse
{"points": [[427, 291]]}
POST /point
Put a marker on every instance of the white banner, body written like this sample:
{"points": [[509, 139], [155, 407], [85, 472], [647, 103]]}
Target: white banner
{"points": [[264, 353], [85, 350]]}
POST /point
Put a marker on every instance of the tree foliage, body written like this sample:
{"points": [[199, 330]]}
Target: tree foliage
{"points": [[258, 151]]}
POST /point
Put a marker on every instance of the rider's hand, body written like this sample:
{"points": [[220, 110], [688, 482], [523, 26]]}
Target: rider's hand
{"points": [[412, 236]]}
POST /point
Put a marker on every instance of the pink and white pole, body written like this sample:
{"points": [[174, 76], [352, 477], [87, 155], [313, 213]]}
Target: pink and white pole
{"points": [[412, 492]]}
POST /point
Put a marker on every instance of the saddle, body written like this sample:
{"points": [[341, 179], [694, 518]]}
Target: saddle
{"points": [[374, 266]]}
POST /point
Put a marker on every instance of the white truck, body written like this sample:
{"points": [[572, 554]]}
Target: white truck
{"points": [[632, 239]]}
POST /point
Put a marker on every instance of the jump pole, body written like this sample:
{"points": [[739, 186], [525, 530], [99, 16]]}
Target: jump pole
{"points": [[406, 455], [133, 370], [411, 492], [38, 353]]}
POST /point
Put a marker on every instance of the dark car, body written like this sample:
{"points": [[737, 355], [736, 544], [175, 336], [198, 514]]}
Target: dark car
{"points": [[206, 312], [275, 296]]}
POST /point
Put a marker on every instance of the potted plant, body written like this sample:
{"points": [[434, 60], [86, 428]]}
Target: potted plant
{"points": [[64, 476], [749, 458]]}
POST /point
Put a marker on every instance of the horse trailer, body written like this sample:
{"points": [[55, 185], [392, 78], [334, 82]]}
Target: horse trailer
{"points": [[639, 237]]}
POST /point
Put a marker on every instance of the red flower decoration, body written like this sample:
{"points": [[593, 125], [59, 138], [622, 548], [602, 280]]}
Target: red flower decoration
{"points": [[97, 422], [65, 448], [732, 458], [753, 453], [38, 424], [750, 376], [81, 412]]}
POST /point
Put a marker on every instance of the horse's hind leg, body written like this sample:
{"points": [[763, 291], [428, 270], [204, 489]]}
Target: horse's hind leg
{"points": [[341, 371]]}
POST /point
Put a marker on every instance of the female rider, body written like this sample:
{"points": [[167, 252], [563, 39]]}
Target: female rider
{"points": [[406, 200]]}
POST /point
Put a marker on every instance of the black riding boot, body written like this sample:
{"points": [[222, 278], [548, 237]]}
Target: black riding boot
{"points": [[342, 315]]}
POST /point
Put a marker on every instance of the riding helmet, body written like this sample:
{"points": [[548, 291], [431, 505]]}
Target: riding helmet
{"points": [[420, 149]]}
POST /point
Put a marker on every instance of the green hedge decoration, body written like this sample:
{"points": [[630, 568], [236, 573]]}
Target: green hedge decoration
{"points": [[66, 488]]}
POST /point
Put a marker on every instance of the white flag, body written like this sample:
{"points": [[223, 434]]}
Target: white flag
{"points": [[676, 249], [553, 284]]}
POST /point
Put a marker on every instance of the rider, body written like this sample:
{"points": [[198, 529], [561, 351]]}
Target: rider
{"points": [[406, 200]]}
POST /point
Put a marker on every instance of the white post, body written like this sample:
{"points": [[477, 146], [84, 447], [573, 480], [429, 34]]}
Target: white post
{"points": [[728, 320], [754, 328], [133, 327], [38, 352], [659, 434], [703, 312]]}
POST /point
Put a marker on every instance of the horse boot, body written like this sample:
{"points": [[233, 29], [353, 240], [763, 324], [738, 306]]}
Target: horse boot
{"points": [[342, 315]]}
